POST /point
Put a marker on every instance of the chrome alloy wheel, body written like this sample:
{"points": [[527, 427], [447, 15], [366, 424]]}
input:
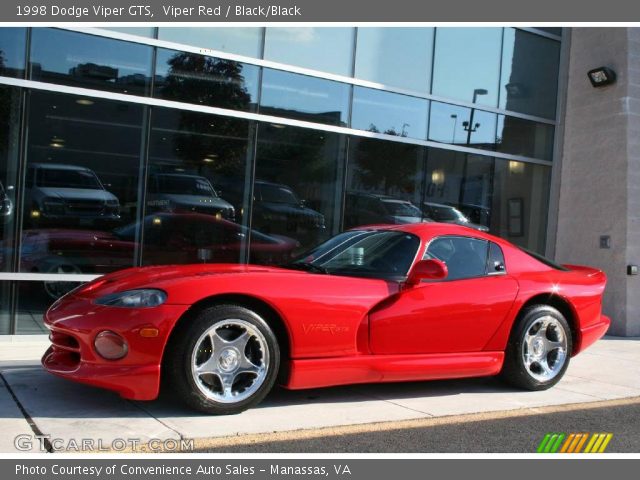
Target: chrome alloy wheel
{"points": [[230, 361], [544, 348]]}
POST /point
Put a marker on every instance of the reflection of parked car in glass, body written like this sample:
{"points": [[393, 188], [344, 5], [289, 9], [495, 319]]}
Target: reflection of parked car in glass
{"points": [[448, 214], [178, 192], [68, 194], [372, 208], [6, 205], [475, 213], [276, 208], [170, 238]]}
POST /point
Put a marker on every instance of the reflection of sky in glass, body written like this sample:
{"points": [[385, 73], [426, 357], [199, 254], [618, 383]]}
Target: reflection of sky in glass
{"points": [[304, 94], [319, 48], [398, 57], [12, 45], [467, 59], [445, 128], [389, 111], [59, 51], [241, 41]]}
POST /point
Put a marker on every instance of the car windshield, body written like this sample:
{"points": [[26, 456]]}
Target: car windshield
{"points": [[366, 253], [67, 178], [401, 208], [442, 213], [278, 194], [184, 185]]}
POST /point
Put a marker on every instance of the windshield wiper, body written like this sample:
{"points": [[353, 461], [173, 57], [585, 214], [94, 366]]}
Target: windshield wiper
{"points": [[308, 267]]}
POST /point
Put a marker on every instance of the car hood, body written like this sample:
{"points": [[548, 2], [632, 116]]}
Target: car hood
{"points": [[289, 209], [166, 275], [76, 193], [195, 200]]}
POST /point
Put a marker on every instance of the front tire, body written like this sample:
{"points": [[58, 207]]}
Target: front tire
{"points": [[225, 361], [539, 349]]}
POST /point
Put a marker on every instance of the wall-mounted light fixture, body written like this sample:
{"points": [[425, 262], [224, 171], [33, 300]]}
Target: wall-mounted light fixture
{"points": [[516, 167], [601, 76], [437, 177]]}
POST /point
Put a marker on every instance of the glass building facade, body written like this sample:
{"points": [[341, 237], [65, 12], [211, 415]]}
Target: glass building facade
{"points": [[151, 146]]}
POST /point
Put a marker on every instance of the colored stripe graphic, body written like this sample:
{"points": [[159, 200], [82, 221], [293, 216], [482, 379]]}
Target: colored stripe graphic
{"points": [[573, 443]]}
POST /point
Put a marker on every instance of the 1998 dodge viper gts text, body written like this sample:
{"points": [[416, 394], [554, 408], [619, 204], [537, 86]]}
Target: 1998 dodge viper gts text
{"points": [[375, 304]]}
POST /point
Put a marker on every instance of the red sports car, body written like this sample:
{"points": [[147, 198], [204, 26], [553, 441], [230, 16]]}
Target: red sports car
{"points": [[374, 304]]}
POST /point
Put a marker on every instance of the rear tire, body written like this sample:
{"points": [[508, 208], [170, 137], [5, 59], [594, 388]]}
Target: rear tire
{"points": [[539, 349], [224, 362]]}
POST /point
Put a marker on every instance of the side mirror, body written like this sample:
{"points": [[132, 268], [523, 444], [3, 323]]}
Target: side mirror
{"points": [[427, 270]]}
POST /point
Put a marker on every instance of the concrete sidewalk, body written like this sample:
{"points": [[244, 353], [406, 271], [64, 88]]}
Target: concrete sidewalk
{"points": [[69, 412]]}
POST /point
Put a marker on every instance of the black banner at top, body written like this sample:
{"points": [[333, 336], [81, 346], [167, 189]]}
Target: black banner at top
{"points": [[262, 11]]}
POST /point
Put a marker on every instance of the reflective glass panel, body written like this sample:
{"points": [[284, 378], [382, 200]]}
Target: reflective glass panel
{"points": [[5, 308], [239, 40], [13, 43], [196, 200], [462, 126], [297, 193], [327, 49], [524, 137], [88, 61], [398, 57], [10, 102], [467, 64], [384, 182], [520, 203], [529, 82], [304, 98], [81, 184], [390, 113], [191, 78], [462, 181]]}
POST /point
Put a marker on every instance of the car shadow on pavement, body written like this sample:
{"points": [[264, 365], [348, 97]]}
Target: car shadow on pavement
{"points": [[43, 394]]}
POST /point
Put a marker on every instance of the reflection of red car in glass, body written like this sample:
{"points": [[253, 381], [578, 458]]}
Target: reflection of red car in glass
{"points": [[378, 304], [169, 239]]}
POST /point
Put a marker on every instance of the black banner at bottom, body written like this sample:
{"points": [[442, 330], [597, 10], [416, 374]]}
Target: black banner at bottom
{"points": [[543, 466]]}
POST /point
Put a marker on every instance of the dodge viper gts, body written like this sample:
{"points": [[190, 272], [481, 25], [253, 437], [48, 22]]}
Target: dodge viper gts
{"points": [[374, 304]]}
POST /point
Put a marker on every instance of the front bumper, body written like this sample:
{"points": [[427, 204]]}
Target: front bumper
{"points": [[74, 323]]}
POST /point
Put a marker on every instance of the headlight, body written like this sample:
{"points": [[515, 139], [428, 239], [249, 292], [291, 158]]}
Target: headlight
{"points": [[134, 298]]}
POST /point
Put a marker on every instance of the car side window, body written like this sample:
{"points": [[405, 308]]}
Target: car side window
{"points": [[495, 260], [465, 257]]}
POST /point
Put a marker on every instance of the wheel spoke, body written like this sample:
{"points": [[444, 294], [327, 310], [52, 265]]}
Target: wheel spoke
{"points": [[226, 381], [241, 342], [551, 345], [209, 366], [247, 366], [544, 366], [217, 342]]}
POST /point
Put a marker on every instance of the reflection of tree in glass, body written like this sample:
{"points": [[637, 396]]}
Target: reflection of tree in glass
{"points": [[297, 157], [386, 166], [207, 81], [205, 138]]}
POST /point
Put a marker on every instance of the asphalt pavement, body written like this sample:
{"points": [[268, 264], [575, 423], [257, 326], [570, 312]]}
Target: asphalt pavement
{"points": [[520, 432]]}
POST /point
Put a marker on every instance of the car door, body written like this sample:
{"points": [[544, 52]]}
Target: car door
{"points": [[458, 314]]}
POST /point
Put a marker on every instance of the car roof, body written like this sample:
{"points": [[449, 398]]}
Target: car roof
{"points": [[432, 229], [59, 166], [439, 205], [379, 196]]}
